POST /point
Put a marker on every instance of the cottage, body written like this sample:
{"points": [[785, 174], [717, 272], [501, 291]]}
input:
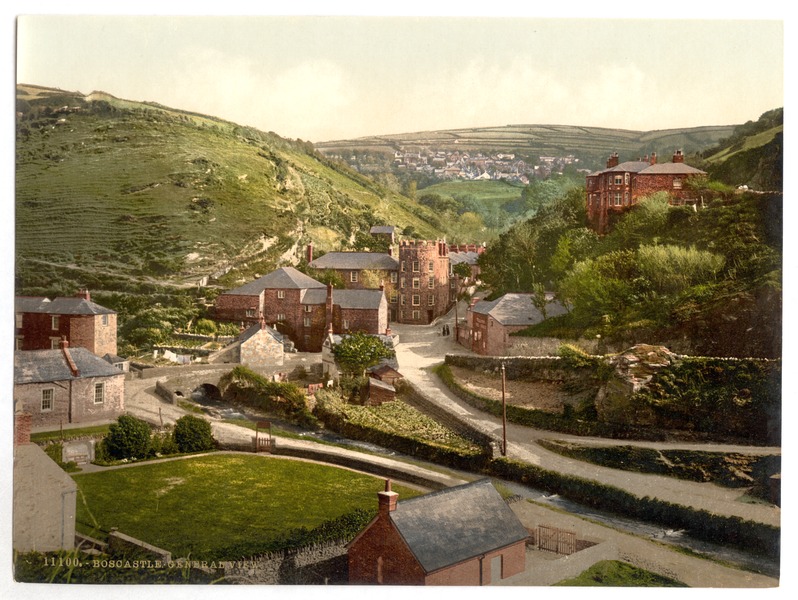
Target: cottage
{"points": [[465, 535], [68, 385], [621, 185], [377, 392], [490, 323], [42, 323]]}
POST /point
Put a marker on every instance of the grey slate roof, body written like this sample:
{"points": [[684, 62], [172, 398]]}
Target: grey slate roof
{"points": [[456, 524], [463, 257], [671, 169], [251, 331], [358, 299], [517, 309], [284, 278], [61, 306], [389, 229], [355, 261], [42, 366], [381, 384]]}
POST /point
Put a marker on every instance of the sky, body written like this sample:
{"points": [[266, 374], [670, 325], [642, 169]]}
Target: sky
{"points": [[337, 77]]}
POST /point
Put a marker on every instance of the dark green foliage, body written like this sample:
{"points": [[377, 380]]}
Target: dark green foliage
{"points": [[128, 438], [244, 386], [193, 434], [358, 351]]}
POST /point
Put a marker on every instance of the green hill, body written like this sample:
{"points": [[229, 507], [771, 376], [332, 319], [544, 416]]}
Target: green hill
{"points": [[128, 196]]}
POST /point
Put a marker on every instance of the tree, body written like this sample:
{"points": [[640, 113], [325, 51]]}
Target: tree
{"points": [[129, 437], [359, 351], [193, 434], [205, 327]]}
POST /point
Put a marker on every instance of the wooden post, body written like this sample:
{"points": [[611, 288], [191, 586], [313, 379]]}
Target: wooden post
{"points": [[504, 416]]}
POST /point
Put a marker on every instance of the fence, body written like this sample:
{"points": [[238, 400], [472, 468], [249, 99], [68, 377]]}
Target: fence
{"points": [[554, 539]]}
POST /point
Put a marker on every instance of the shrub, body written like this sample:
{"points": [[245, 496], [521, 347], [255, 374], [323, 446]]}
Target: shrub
{"points": [[193, 434], [205, 327], [129, 437]]}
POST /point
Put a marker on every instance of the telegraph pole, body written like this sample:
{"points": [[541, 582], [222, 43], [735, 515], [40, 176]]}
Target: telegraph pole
{"points": [[504, 415]]}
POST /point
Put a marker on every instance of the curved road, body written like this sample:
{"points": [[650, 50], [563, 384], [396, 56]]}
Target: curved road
{"points": [[420, 348]]}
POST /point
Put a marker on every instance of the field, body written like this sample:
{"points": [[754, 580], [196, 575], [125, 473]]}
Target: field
{"points": [[202, 507]]}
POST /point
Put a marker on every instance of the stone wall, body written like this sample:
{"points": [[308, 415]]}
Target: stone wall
{"points": [[317, 564]]}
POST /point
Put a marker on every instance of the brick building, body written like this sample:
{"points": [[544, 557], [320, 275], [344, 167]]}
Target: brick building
{"points": [[67, 385], [621, 185], [465, 535], [302, 309], [489, 324], [41, 324]]}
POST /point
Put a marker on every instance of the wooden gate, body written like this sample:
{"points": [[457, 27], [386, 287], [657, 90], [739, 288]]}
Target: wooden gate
{"points": [[554, 539]]}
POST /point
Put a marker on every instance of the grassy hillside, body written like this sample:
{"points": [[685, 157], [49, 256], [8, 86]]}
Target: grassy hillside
{"points": [[120, 195], [591, 144]]}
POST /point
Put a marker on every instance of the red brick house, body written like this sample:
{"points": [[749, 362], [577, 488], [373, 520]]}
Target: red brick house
{"points": [[490, 323], [416, 284], [67, 385], [465, 535], [41, 324], [621, 185]]}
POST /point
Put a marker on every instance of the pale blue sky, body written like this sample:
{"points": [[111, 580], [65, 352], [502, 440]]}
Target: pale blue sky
{"points": [[337, 77]]}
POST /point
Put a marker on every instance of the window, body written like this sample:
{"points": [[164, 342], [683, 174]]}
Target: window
{"points": [[281, 294], [394, 276], [431, 266], [47, 399], [308, 308], [346, 324], [626, 178], [618, 179], [18, 343], [416, 315], [416, 283], [453, 283], [403, 266], [415, 266], [677, 183], [403, 299], [104, 320], [617, 198], [280, 316], [18, 319], [99, 393], [416, 300], [306, 321], [402, 283], [54, 322], [353, 276], [55, 343], [431, 300], [251, 312], [394, 296], [431, 283], [626, 198]]}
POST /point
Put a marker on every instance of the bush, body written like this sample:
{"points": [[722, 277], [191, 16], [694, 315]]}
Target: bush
{"points": [[205, 327], [129, 437], [163, 444], [193, 434]]}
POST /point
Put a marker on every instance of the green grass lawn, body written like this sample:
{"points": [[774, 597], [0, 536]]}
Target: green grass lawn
{"points": [[69, 434], [613, 573], [198, 507]]}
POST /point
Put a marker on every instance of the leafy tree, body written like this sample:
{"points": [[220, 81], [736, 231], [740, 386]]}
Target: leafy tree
{"points": [[129, 437], [357, 352], [193, 434], [205, 327]]}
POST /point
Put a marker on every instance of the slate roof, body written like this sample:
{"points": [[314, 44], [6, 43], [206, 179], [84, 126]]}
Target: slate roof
{"points": [[518, 309], [671, 169], [389, 229], [358, 299], [381, 384], [284, 278], [455, 524], [463, 257], [355, 261], [42, 366], [249, 333], [60, 306]]}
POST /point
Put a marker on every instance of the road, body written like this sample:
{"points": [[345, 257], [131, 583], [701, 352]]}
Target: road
{"points": [[421, 348]]}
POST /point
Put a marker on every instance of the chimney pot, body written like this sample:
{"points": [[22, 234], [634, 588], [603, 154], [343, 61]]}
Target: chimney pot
{"points": [[310, 253]]}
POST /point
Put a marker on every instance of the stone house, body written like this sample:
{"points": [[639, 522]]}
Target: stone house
{"points": [[621, 185], [45, 497], [42, 323], [387, 232], [490, 323], [464, 535], [260, 347], [67, 385]]}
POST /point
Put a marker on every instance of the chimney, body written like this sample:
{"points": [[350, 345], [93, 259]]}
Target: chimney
{"points": [[387, 499], [388, 331], [310, 253], [653, 158], [390, 250], [678, 157], [22, 424], [84, 293], [612, 161], [262, 321], [382, 285], [73, 368], [330, 307]]}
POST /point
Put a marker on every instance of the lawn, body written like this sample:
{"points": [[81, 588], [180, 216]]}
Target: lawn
{"points": [[200, 507], [68, 434], [613, 573]]}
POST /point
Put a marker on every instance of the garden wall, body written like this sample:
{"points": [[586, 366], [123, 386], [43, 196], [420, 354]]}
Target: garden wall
{"points": [[317, 564]]}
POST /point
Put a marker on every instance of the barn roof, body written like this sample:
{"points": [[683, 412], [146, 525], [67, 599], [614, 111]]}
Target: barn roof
{"points": [[455, 524]]}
